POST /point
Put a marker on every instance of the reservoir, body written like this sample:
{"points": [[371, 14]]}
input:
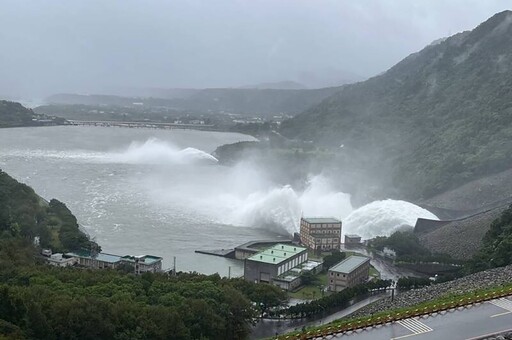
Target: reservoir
{"points": [[138, 191], [161, 192]]}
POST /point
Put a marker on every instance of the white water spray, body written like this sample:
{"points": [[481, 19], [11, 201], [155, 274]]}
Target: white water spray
{"points": [[382, 218]]}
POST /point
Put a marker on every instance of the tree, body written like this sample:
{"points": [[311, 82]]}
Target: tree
{"points": [[334, 258]]}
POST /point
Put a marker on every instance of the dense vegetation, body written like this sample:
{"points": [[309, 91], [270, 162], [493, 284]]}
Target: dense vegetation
{"points": [[25, 215], [405, 283], [437, 119], [44, 302], [496, 250], [335, 300], [15, 115], [408, 248], [332, 259]]}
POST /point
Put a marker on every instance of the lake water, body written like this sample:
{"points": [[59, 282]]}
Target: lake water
{"points": [[137, 191], [160, 192]]}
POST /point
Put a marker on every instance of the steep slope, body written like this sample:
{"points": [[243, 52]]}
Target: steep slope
{"points": [[25, 215], [439, 118], [462, 238]]}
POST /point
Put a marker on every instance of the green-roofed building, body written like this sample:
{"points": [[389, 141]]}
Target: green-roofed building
{"points": [[320, 233], [351, 271], [269, 264]]}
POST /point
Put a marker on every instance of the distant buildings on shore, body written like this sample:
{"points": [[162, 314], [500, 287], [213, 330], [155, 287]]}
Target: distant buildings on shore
{"points": [[141, 264]]}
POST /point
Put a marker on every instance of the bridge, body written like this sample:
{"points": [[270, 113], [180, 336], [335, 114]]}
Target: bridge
{"points": [[151, 125]]}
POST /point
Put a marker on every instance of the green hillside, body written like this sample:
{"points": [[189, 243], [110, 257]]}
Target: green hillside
{"points": [[38, 301], [14, 114], [437, 119], [24, 215]]}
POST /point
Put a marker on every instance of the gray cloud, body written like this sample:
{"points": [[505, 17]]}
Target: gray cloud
{"points": [[102, 46]]}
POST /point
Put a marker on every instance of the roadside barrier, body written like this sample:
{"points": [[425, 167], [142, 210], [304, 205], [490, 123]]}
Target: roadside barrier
{"points": [[375, 321]]}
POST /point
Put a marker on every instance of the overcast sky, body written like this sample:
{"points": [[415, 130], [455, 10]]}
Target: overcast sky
{"points": [[105, 45]]}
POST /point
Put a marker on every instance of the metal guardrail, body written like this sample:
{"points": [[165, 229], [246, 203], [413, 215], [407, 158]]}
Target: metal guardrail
{"points": [[393, 317]]}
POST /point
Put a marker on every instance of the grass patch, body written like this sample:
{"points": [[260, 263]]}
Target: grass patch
{"points": [[312, 292], [374, 272]]}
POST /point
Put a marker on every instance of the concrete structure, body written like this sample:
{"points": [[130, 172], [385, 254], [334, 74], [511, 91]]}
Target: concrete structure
{"points": [[352, 239], [250, 248], [292, 278], [59, 260], [97, 261], [348, 273], [274, 265], [144, 263], [320, 234], [141, 264]]}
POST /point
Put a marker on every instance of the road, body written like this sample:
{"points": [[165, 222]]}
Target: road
{"points": [[267, 327], [385, 267], [468, 323]]}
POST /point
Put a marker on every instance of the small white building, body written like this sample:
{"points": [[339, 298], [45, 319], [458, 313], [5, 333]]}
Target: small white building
{"points": [[59, 260]]}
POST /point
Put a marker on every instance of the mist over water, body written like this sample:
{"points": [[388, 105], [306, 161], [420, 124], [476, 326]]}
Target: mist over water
{"points": [[154, 151], [161, 192], [242, 195]]}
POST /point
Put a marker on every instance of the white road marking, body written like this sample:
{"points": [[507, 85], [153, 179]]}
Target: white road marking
{"points": [[506, 304], [413, 325]]}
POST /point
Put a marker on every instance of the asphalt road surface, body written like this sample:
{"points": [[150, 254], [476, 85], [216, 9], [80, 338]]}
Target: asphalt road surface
{"points": [[469, 323]]}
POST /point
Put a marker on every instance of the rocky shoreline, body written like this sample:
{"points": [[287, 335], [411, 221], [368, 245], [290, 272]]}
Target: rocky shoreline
{"points": [[480, 280]]}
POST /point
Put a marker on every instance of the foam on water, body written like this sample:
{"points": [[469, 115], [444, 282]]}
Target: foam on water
{"points": [[240, 195], [152, 151]]}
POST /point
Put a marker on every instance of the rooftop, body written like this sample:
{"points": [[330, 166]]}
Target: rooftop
{"points": [[349, 264], [352, 235], [277, 253], [104, 257], [147, 259], [111, 258], [316, 220]]}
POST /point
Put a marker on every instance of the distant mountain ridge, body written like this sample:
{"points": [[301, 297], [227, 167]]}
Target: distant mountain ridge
{"points": [[438, 119], [243, 101], [280, 85]]}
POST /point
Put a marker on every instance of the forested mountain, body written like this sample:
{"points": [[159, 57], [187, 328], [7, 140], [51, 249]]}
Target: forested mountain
{"points": [[264, 102], [437, 119]]}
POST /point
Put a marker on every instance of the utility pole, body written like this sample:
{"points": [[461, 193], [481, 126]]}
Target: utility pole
{"points": [[229, 272], [174, 267]]}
